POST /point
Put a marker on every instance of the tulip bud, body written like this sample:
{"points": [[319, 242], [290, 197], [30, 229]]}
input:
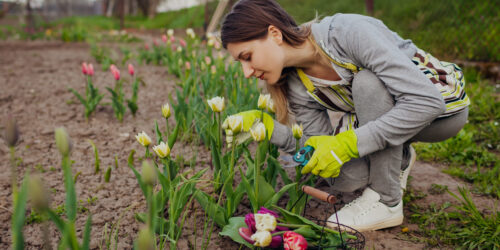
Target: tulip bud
{"points": [[170, 32], [146, 46], [11, 132], [165, 110], [62, 141], [217, 45], [208, 61], [235, 123], [172, 39], [216, 104], [263, 99], [131, 70], [210, 42], [115, 71], [190, 33], [258, 132], [146, 240], [39, 196], [182, 42], [188, 65], [179, 49], [162, 150], [84, 68], [213, 69], [262, 238], [143, 139], [155, 43], [90, 69], [148, 173], [297, 131], [164, 38]]}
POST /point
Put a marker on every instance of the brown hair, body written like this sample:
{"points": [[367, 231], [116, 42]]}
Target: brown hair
{"points": [[249, 20]]}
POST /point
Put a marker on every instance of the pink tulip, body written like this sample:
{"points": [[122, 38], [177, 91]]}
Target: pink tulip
{"points": [[172, 39], [294, 241], [131, 70], [155, 43], [85, 70], [114, 70], [90, 69], [146, 46], [188, 65], [182, 42], [173, 47], [208, 61], [164, 38]]}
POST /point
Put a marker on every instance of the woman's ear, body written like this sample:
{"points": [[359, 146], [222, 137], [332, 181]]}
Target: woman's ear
{"points": [[275, 34]]}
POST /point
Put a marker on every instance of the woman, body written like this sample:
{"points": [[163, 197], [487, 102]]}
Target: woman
{"points": [[391, 92]]}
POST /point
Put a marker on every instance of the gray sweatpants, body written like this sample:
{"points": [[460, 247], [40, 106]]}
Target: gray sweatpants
{"points": [[380, 170]]}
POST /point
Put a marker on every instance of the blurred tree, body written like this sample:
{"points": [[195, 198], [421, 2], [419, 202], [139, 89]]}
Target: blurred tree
{"points": [[148, 7]]}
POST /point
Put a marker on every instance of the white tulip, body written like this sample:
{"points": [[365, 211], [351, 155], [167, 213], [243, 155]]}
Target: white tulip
{"points": [[143, 139], [217, 104], [297, 131], [235, 123], [165, 110], [170, 32], [262, 238], [265, 222], [162, 150], [263, 99], [258, 132]]}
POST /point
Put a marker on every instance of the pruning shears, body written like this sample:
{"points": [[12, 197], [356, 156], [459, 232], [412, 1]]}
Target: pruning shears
{"points": [[303, 155]]}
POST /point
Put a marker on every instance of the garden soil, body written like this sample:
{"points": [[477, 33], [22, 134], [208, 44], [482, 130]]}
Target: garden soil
{"points": [[34, 81]]}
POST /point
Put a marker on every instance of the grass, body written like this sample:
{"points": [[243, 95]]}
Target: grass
{"points": [[460, 225], [467, 30]]}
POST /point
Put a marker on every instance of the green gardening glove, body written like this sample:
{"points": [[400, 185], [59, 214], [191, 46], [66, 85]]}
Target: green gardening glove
{"points": [[250, 118], [330, 153]]}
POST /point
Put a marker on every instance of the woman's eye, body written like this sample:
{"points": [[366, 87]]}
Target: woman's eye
{"points": [[247, 58]]}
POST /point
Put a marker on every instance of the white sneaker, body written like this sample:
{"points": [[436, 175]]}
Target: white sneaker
{"points": [[367, 213], [403, 176]]}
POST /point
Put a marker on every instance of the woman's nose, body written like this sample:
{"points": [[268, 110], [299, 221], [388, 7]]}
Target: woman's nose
{"points": [[247, 69]]}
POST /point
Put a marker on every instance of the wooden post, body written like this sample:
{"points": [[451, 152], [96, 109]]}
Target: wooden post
{"points": [[217, 15], [369, 7]]}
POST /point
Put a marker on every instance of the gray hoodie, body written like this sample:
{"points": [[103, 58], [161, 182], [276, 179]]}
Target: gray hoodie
{"points": [[367, 43]]}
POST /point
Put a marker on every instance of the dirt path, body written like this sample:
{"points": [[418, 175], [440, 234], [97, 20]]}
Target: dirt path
{"points": [[34, 81]]}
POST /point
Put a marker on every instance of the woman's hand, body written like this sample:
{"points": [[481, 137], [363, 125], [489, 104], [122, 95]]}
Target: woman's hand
{"points": [[330, 153], [250, 118]]}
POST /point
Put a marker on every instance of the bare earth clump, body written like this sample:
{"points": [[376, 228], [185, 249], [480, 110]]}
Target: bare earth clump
{"points": [[34, 82]]}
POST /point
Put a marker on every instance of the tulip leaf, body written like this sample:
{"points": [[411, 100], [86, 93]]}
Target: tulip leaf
{"points": [[249, 189], [232, 230], [96, 157], [86, 233], [209, 205], [139, 179], [173, 137], [18, 218], [159, 137], [266, 191], [278, 195]]}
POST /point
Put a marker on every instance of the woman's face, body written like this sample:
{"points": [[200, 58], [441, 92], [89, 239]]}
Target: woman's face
{"points": [[261, 58]]}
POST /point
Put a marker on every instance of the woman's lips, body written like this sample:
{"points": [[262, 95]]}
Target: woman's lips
{"points": [[261, 77]]}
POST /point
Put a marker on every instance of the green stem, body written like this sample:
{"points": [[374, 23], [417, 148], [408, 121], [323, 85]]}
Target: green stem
{"points": [[256, 179], [13, 173], [166, 132], [147, 153]]}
